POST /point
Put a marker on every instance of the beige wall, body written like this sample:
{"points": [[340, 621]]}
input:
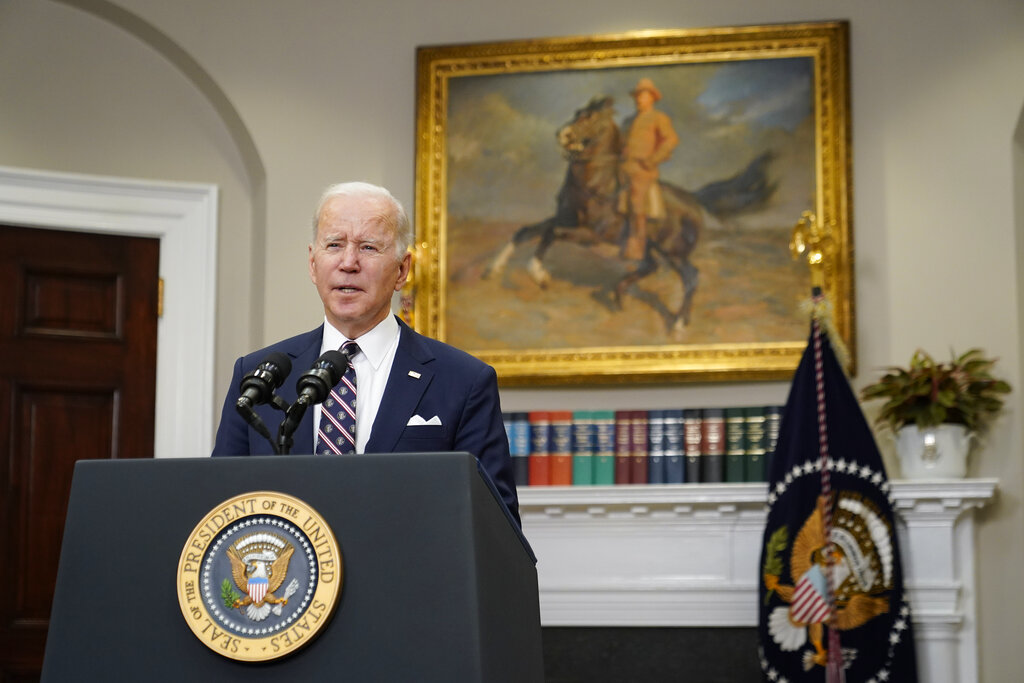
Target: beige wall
{"points": [[271, 101]]}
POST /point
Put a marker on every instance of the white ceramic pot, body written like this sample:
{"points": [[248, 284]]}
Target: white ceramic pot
{"points": [[934, 452]]}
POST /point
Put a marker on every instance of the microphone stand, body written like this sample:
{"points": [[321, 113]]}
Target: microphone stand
{"points": [[256, 422], [292, 416]]}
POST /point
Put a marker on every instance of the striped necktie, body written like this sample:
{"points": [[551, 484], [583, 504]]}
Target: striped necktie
{"points": [[337, 432]]}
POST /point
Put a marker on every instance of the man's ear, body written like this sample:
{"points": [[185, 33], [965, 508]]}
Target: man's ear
{"points": [[403, 271]]}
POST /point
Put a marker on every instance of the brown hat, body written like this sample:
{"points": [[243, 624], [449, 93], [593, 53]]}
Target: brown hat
{"points": [[648, 85]]}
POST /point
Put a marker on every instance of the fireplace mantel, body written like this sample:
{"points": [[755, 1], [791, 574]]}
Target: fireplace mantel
{"points": [[687, 555]]}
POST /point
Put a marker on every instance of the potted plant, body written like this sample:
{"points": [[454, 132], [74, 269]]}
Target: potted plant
{"points": [[935, 409]]}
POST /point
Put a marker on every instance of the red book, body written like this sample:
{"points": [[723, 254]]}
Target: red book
{"points": [[623, 441], [540, 448], [638, 447], [561, 447]]}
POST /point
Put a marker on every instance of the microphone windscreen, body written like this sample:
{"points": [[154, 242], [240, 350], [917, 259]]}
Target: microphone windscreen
{"points": [[284, 364], [335, 362]]}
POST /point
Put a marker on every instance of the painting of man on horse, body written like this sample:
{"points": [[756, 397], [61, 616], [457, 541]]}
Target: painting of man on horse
{"points": [[606, 198], [646, 213]]}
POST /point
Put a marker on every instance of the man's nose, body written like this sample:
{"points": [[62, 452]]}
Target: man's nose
{"points": [[349, 257]]}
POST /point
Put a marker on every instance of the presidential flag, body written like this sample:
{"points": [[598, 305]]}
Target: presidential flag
{"points": [[832, 605]]}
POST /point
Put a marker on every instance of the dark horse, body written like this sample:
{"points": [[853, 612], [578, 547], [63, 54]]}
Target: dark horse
{"points": [[588, 210]]}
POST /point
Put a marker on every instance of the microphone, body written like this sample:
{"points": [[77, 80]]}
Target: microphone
{"points": [[313, 386], [258, 386]]}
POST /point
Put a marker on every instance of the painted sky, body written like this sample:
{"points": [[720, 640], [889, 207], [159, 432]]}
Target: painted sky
{"points": [[504, 162]]}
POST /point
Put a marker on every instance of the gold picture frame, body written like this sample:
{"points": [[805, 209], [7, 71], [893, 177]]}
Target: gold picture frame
{"points": [[761, 114]]}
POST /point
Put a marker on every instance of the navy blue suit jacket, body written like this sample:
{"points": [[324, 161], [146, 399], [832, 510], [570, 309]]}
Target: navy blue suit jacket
{"points": [[451, 384]]}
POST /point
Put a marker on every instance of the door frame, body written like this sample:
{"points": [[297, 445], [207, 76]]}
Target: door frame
{"points": [[183, 216]]}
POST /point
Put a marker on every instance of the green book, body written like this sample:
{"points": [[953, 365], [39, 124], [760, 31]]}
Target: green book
{"points": [[604, 446], [757, 444], [772, 425], [583, 447], [693, 435], [735, 445]]}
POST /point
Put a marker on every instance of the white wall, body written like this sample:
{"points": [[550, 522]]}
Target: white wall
{"points": [[78, 94], [325, 91]]}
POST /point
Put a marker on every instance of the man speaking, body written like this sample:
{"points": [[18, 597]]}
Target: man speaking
{"points": [[403, 392]]}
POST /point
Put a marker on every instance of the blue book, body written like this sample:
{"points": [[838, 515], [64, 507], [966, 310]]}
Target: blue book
{"points": [[674, 451], [604, 447], [519, 447], [656, 447]]}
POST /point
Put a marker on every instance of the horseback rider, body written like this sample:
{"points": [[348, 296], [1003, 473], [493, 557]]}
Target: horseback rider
{"points": [[649, 141]]}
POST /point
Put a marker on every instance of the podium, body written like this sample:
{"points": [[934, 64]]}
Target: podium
{"points": [[438, 583]]}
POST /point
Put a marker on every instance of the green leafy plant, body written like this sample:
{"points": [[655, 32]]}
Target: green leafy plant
{"points": [[772, 562], [961, 391], [228, 595]]}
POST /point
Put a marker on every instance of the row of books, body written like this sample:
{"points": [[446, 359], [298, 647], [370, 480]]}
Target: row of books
{"points": [[607, 447]]}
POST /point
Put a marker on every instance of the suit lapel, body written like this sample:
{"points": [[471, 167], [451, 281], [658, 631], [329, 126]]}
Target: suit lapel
{"points": [[303, 355], [410, 377]]}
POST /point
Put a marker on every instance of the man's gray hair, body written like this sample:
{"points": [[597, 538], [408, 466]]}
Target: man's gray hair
{"points": [[398, 219]]}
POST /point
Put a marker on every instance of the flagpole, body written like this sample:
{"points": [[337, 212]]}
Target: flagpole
{"points": [[814, 242]]}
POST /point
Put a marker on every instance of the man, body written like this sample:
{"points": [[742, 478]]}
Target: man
{"points": [[650, 140], [414, 393]]}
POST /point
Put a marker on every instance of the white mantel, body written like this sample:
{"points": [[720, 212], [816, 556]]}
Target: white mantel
{"points": [[687, 555]]}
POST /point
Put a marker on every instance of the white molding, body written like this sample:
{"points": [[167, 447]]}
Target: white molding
{"points": [[184, 217], [686, 555]]}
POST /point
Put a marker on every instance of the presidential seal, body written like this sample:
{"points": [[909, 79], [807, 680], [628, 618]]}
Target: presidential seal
{"points": [[259, 576]]}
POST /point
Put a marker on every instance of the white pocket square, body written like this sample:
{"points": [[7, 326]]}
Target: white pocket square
{"points": [[417, 421]]}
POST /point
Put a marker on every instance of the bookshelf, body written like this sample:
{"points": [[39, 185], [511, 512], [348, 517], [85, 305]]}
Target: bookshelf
{"points": [[687, 555]]}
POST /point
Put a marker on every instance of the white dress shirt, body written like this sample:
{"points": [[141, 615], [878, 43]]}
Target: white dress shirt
{"points": [[373, 367]]}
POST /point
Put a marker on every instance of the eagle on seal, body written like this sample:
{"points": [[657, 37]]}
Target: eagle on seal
{"points": [[258, 573]]}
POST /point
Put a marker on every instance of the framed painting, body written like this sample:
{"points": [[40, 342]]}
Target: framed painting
{"points": [[620, 208]]}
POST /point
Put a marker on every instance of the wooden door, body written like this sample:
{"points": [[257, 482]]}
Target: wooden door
{"points": [[77, 381]]}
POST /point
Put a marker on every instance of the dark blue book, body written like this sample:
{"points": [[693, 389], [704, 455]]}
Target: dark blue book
{"points": [[675, 472], [638, 447], [656, 447], [604, 447]]}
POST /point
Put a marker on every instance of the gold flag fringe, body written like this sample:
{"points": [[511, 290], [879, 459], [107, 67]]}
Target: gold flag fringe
{"points": [[820, 308]]}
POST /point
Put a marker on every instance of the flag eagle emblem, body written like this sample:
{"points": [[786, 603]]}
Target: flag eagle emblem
{"points": [[862, 567]]}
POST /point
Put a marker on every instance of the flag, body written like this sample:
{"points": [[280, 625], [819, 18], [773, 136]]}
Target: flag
{"points": [[832, 605]]}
